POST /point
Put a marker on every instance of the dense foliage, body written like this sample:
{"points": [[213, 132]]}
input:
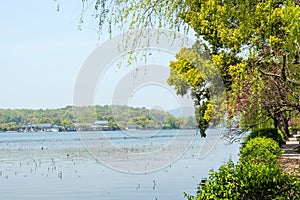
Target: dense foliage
{"points": [[117, 117], [255, 45], [193, 72], [272, 133], [258, 175], [260, 151]]}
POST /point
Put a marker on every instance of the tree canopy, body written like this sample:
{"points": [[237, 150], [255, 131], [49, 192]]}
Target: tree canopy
{"points": [[254, 44]]}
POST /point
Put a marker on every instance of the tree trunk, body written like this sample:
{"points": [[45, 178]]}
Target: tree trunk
{"points": [[286, 127], [275, 122]]}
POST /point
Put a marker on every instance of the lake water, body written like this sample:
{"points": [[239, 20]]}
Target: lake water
{"points": [[108, 165]]}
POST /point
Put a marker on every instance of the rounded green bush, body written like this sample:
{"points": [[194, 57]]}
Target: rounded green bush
{"points": [[272, 133], [260, 150]]}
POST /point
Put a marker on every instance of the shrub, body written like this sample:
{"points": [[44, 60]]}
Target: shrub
{"points": [[263, 181], [219, 185], [248, 181], [258, 175], [260, 150], [272, 133]]}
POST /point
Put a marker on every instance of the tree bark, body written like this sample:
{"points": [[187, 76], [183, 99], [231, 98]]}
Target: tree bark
{"points": [[275, 122], [285, 123]]}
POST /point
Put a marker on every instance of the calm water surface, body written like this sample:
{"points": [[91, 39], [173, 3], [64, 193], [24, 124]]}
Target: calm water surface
{"points": [[59, 166]]}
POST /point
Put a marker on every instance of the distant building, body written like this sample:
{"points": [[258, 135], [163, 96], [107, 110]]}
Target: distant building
{"points": [[100, 125], [101, 122], [41, 128]]}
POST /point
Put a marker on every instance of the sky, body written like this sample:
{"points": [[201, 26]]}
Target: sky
{"points": [[42, 52]]}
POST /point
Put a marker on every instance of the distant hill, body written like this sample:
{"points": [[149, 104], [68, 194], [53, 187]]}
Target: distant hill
{"points": [[182, 112], [117, 117]]}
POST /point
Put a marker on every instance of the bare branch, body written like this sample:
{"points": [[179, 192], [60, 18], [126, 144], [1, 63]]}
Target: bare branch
{"points": [[279, 76]]}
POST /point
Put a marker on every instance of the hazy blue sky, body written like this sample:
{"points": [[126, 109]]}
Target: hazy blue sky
{"points": [[42, 52]]}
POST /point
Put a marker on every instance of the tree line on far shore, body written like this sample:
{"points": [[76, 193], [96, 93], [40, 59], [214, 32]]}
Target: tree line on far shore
{"points": [[117, 117]]}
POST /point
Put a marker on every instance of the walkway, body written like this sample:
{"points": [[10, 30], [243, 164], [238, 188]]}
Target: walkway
{"points": [[290, 159]]}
